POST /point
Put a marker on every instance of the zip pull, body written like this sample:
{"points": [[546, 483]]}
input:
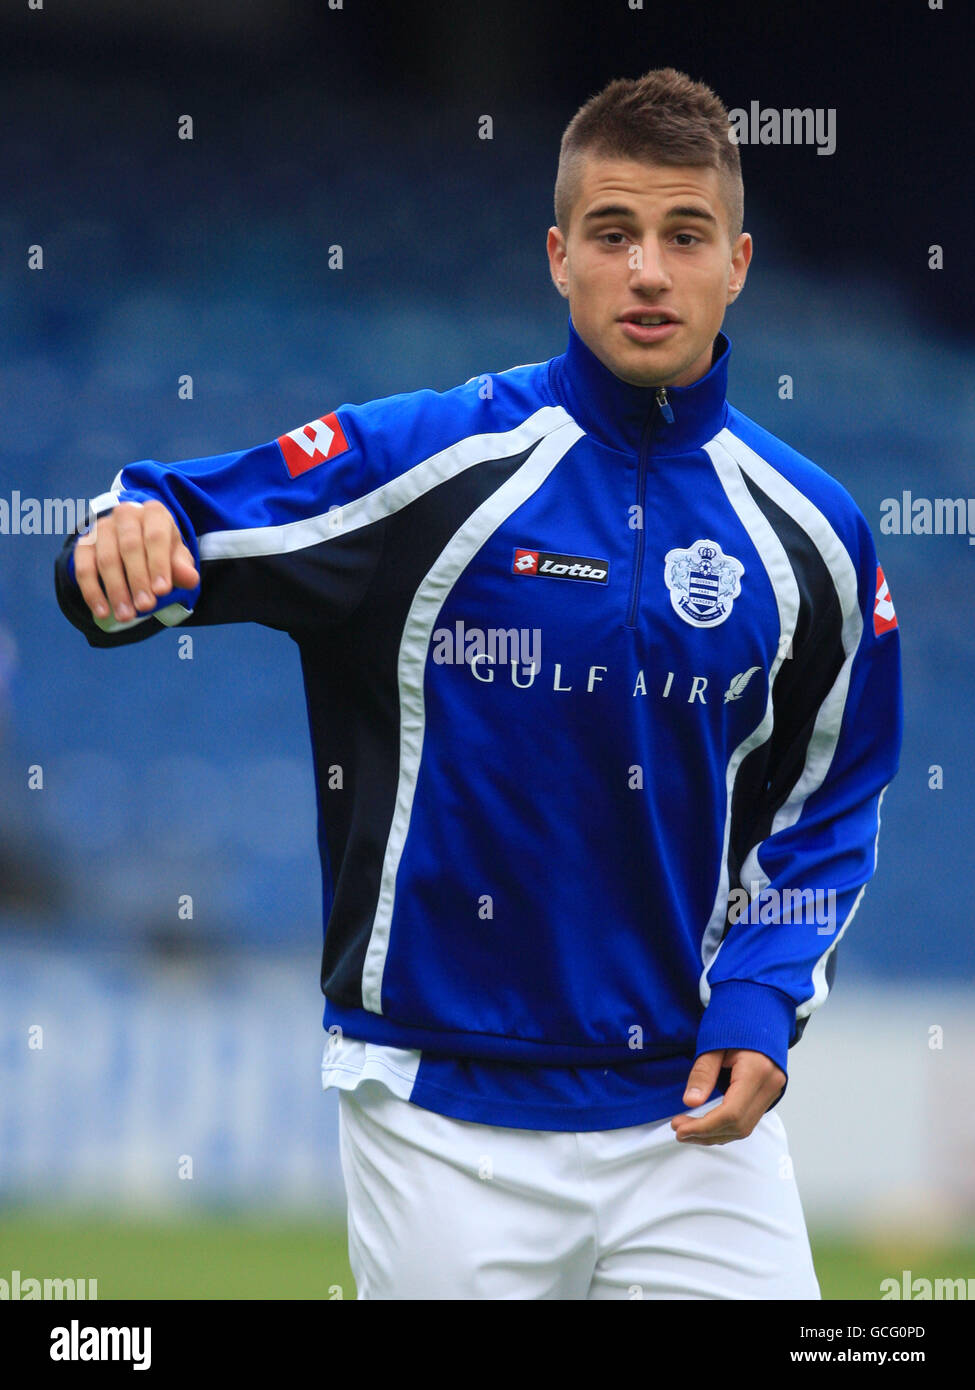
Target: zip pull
{"points": [[664, 405]]}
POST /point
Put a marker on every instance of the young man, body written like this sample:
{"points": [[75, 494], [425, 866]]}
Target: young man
{"points": [[571, 894]]}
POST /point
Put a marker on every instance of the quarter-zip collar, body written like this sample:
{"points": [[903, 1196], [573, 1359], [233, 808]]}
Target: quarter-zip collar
{"points": [[616, 412]]}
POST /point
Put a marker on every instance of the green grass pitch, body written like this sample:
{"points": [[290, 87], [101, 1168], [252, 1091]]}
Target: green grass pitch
{"points": [[237, 1256]]}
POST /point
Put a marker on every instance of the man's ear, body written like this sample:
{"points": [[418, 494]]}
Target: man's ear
{"points": [[740, 260], [555, 246]]}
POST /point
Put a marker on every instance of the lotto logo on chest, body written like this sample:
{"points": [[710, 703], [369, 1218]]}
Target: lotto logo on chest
{"points": [[544, 564]]}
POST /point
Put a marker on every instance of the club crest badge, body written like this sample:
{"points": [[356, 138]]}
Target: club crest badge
{"points": [[703, 583]]}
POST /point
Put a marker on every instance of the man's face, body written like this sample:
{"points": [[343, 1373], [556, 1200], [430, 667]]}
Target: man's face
{"points": [[649, 238]]}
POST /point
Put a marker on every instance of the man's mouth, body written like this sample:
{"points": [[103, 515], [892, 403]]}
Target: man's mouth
{"points": [[649, 328]]}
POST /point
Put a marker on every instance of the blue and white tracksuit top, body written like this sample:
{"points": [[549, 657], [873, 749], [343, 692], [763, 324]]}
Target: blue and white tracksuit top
{"points": [[603, 684]]}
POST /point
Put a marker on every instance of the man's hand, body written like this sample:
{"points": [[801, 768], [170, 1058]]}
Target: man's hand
{"points": [[756, 1083], [139, 555]]}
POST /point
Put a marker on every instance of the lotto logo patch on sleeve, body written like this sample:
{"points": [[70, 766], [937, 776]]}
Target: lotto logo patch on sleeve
{"points": [[312, 444], [884, 617]]}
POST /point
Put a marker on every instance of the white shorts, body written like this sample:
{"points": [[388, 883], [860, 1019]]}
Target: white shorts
{"points": [[448, 1209]]}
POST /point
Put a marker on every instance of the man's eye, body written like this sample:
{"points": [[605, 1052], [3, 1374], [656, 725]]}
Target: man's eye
{"points": [[687, 236], [609, 234]]}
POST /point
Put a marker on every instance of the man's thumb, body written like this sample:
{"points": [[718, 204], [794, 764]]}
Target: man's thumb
{"points": [[184, 567], [701, 1081]]}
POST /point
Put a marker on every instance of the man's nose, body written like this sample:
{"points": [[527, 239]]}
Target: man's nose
{"points": [[647, 266]]}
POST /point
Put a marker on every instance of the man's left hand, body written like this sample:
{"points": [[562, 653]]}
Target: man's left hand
{"points": [[756, 1083]]}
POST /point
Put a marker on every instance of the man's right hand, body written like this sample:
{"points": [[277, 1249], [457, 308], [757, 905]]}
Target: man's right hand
{"points": [[139, 555]]}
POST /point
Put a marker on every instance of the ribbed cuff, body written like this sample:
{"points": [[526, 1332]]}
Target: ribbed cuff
{"points": [[744, 1014]]}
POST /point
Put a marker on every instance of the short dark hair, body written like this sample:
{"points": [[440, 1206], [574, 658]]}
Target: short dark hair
{"points": [[663, 117]]}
